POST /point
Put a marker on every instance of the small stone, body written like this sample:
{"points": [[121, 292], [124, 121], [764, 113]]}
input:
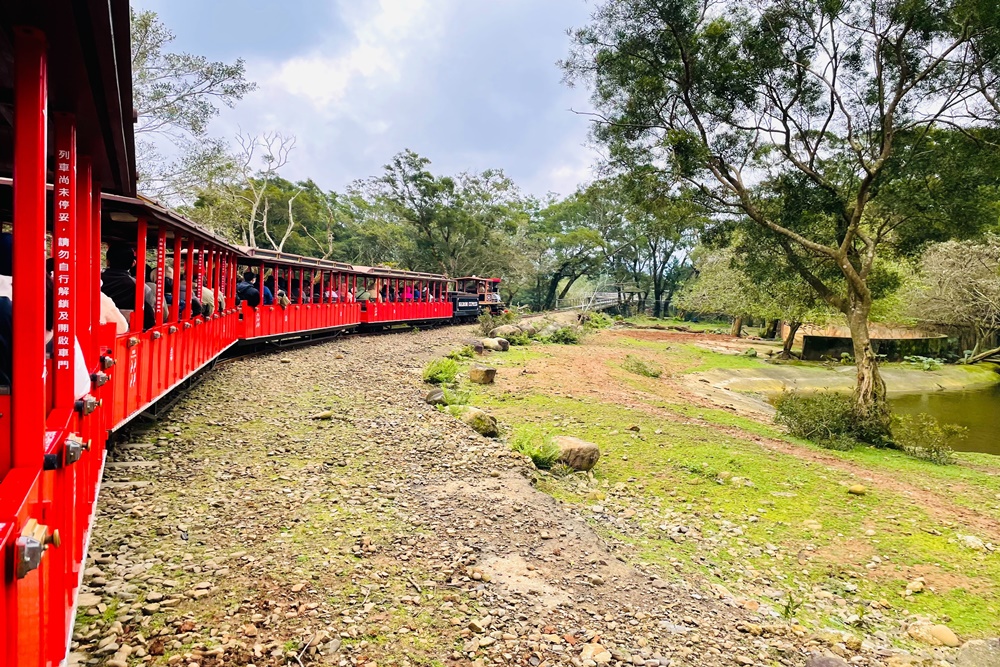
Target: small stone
{"points": [[915, 586], [154, 596], [826, 661], [150, 609], [595, 652], [250, 630], [971, 542], [435, 397], [979, 653], [297, 588], [858, 490], [576, 453], [481, 423]]}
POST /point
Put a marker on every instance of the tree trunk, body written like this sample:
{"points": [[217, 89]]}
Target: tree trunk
{"points": [[771, 330], [786, 348], [737, 329], [870, 403]]}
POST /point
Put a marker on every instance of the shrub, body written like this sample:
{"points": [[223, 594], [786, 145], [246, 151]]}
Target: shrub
{"points": [[596, 321], [636, 365], [466, 352], [829, 419], [488, 322], [441, 371], [539, 447], [925, 363], [456, 397], [565, 336], [518, 339], [924, 437]]}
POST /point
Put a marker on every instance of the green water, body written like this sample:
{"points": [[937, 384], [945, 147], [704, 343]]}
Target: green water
{"points": [[978, 411]]}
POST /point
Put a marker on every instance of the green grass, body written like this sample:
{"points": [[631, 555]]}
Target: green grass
{"points": [[674, 477]]}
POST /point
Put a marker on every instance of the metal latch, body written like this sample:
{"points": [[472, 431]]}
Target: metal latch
{"points": [[172, 330], [31, 546], [107, 361], [74, 449], [157, 335], [99, 378], [87, 404], [133, 341], [187, 325]]}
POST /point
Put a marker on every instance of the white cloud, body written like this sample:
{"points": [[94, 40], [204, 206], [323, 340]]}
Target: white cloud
{"points": [[377, 53]]}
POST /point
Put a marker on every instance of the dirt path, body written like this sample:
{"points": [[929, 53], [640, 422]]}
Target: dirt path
{"points": [[245, 531]]}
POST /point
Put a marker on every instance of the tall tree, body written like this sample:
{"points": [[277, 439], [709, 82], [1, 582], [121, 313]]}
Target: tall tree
{"points": [[830, 93], [176, 95]]}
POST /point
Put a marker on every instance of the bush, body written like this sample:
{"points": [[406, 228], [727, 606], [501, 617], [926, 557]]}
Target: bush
{"points": [[925, 363], [636, 365], [565, 336], [924, 437], [595, 321], [466, 352], [518, 339], [539, 447], [441, 371], [456, 397], [830, 420], [488, 322]]}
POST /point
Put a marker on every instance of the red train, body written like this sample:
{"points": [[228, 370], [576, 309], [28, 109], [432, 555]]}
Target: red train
{"points": [[67, 192]]}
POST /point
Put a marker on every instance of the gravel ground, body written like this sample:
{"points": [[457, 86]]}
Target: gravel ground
{"points": [[309, 508]]}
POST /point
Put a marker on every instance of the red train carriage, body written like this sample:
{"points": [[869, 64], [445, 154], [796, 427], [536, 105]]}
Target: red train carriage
{"points": [[390, 296], [65, 134], [309, 297]]}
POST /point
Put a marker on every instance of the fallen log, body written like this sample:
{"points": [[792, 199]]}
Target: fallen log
{"points": [[983, 355]]}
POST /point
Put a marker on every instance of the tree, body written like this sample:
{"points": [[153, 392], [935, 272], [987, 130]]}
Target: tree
{"points": [[837, 94], [959, 285], [175, 95]]}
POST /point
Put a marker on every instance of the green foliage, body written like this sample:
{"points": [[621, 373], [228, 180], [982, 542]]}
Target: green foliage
{"points": [[565, 336], [596, 321], [924, 437], [467, 352], [539, 447], [518, 339], [924, 363], [829, 419], [456, 397], [488, 322], [441, 371], [634, 364]]}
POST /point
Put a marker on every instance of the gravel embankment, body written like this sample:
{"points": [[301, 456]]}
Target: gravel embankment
{"points": [[244, 531]]}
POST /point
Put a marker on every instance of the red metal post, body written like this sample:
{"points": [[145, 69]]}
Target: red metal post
{"points": [[175, 307], [188, 279], [30, 150], [140, 275], [201, 272], [85, 290], [161, 271], [63, 253], [95, 263]]}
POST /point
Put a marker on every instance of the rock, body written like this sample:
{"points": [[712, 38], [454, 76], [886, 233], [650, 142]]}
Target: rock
{"points": [[503, 343], [150, 609], [435, 397], [743, 660], [326, 414], [595, 652], [493, 344], [858, 490], [826, 661], [971, 542], [529, 328], [505, 330], [86, 600], [481, 374], [154, 596], [481, 423], [576, 453], [915, 586], [933, 635], [475, 344], [979, 653]]}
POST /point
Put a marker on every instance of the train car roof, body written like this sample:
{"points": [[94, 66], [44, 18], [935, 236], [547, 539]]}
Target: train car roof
{"points": [[275, 257], [89, 75], [489, 280], [386, 272], [120, 215]]}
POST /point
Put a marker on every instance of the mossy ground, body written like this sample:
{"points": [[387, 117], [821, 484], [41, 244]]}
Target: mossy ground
{"points": [[790, 529]]}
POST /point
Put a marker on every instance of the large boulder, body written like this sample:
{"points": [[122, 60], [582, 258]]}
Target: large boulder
{"points": [[934, 635], [979, 653], [505, 330], [481, 374], [481, 423], [475, 344], [496, 344], [529, 328], [548, 330], [576, 453], [435, 397]]}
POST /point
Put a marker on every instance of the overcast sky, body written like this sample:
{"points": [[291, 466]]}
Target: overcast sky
{"points": [[469, 84]]}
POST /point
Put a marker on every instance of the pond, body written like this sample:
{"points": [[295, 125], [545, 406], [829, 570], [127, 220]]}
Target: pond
{"points": [[977, 410]]}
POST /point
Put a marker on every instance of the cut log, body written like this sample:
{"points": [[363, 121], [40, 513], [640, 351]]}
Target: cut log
{"points": [[982, 356]]}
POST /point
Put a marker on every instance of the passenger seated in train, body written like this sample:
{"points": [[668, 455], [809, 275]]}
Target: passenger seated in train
{"points": [[207, 302], [81, 376], [151, 287], [266, 294], [118, 283], [195, 303], [246, 292]]}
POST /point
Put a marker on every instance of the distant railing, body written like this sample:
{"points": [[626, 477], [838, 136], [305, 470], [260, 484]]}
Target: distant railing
{"points": [[595, 301]]}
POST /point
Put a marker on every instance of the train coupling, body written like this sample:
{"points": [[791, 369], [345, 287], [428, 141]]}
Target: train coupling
{"points": [[34, 540]]}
